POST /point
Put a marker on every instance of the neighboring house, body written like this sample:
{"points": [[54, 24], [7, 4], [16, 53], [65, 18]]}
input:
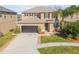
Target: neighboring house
{"points": [[7, 19], [37, 18], [19, 17], [72, 18]]}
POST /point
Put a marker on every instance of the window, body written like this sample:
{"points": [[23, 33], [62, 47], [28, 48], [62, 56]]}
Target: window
{"points": [[46, 15], [39, 15], [53, 16], [35, 14], [24, 14], [30, 14], [5, 17]]}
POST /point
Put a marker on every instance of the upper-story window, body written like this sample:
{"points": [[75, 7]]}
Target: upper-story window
{"points": [[46, 15], [35, 14], [25, 14], [39, 15], [54, 15], [28, 14]]}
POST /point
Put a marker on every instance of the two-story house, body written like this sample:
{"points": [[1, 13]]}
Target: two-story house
{"points": [[7, 19], [37, 18]]}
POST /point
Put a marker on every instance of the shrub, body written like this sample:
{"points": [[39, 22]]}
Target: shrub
{"points": [[4, 39], [17, 30], [11, 30], [39, 30], [70, 29]]}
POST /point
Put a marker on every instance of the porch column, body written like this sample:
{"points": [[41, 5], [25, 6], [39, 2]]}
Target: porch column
{"points": [[51, 27], [51, 16], [42, 26], [20, 28]]}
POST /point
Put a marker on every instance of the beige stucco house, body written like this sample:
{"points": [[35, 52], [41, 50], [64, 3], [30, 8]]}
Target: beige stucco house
{"points": [[72, 18], [37, 18], [7, 20]]}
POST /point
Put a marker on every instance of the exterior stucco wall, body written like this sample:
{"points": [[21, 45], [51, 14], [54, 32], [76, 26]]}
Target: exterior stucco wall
{"points": [[41, 16], [7, 23], [72, 18], [41, 26]]}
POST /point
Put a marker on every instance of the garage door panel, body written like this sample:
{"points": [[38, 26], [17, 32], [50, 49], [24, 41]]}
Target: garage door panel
{"points": [[29, 28]]}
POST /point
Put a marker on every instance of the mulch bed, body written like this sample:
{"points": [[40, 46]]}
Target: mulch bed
{"points": [[75, 40], [72, 40]]}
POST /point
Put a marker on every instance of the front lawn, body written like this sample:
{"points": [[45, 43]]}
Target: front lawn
{"points": [[4, 39], [59, 50], [53, 38]]}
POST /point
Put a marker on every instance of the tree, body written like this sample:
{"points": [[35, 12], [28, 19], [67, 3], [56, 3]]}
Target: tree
{"points": [[70, 11], [71, 29]]}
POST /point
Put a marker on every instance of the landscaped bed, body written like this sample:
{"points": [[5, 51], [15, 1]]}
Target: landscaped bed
{"points": [[8, 37], [5, 38], [59, 50], [53, 38]]}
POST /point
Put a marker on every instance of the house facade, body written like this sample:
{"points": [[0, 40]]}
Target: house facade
{"points": [[38, 18], [72, 18], [7, 19]]}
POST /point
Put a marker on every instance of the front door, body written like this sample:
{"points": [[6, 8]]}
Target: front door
{"points": [[46, 27]]}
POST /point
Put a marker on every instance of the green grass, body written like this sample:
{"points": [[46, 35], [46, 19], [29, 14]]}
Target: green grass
{"points": [[59, 50], [53, 38], [4, 39]]}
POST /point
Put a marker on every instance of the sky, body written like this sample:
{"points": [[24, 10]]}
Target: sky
{"points": [[20, 8]]}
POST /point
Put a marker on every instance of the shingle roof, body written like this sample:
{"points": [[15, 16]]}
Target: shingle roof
{"points": [[39, 9], [3, 9]]}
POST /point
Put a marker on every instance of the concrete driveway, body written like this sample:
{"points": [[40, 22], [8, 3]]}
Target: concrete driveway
{"points": [[23, 43]]}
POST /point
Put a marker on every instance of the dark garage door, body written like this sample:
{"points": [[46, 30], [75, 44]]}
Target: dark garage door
{"points": [[29, 29]]}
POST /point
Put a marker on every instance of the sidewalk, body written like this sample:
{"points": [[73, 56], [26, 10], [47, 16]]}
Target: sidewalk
{"points": [[57, 44]]}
